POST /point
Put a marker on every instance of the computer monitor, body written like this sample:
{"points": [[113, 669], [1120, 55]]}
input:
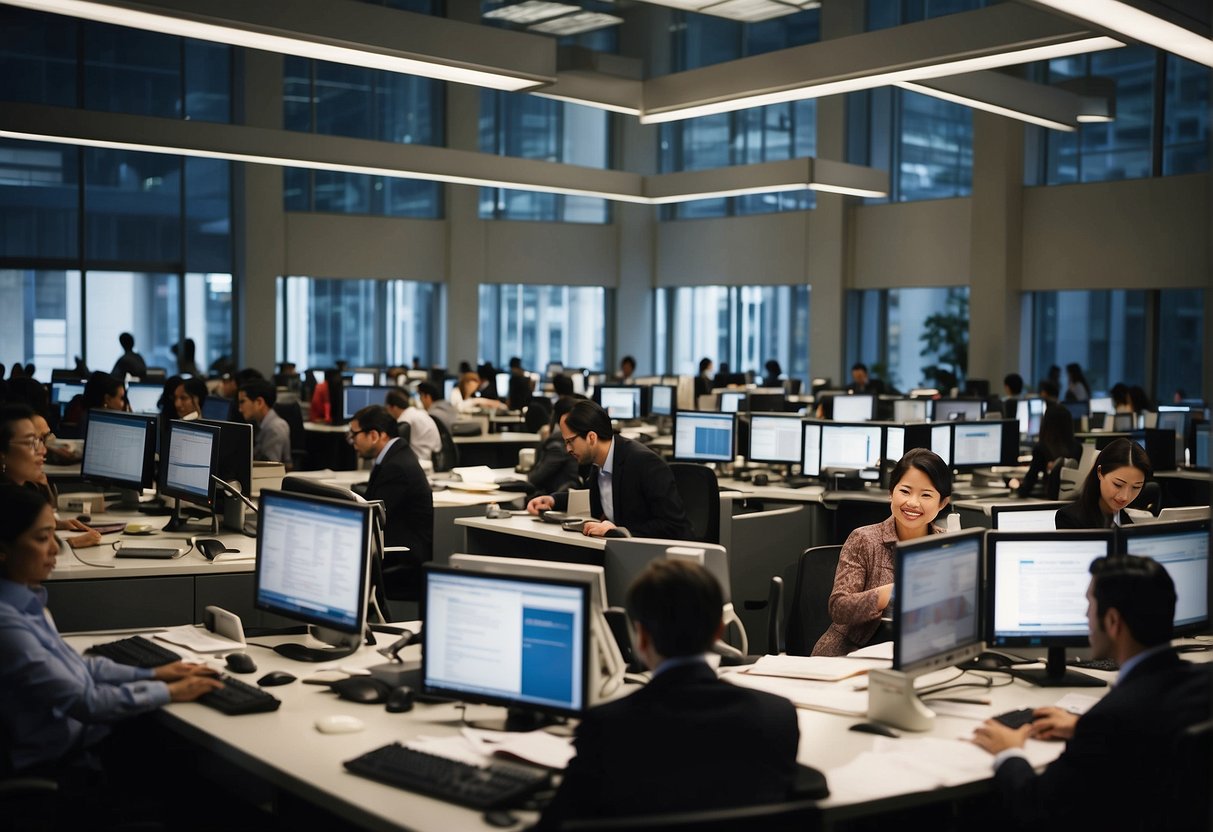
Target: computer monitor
{"points": [[1101, 404], [661, 400], [775, 439], [703, 437], [620, 401], [850, 446], [858, 407], [911, 410], [519, 642], [1124, 422], [894, 443], [63, 392], [355, 397], [120, 449], [1200, 459], [216, 408], [810, 462], [936, 622], [1024, 517], [235, 463], [448, 384], [364, 378], [1028, 413], [958, 410], [1183, 550], [760, 402], [189, 459], [144, 397], [503, 384], [730, 401], [313, 566], [1176, 420], [941, 442], [976, 444], [1036, 596], [1077, 409]]}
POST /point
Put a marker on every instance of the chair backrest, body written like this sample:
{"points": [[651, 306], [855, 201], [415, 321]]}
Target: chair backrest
{"points": [[799, 815], [1149, 498], [1187, 807], [292, 414], [775, 640], [448, 457], [1065, 478], [701, 497], [405, 431], [808, 604], [538, 414]]}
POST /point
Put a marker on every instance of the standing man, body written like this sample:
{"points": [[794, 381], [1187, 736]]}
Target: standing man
{"points": [[439, 408], [130, 363], [423, 433], [271, 433], [630, 488], [521, 386], [1128, 737], [397, 480]]}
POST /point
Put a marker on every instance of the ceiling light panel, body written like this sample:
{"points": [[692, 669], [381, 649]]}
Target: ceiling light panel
{"points": [[1139, 25], [685, 5], [532, 11], [750, 11], [576, 24]]}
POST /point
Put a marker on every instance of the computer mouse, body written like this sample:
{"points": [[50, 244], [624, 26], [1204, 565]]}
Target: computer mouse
{"points": [[361, 689], [139, 528], [400, 700], [338, 724], [874, 728], [84, 518], [499, 818], [616, 532], [241, 663], [275, 678], [989, 661], [761, 479]]}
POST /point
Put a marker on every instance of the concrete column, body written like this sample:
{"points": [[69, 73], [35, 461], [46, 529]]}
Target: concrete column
{"points": [[466, 233], [636, 227]]}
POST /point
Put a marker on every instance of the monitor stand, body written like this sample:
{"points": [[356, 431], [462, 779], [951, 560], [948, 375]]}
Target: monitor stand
{"points": [[177, 523], [1057, 675], [343, 644], [518, 719], [893, 701]]}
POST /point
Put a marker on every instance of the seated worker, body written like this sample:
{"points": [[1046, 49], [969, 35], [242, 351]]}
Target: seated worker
{"points": [[1012, 389], [686, 740], [1056, 440], [1119, 474], [627, 371], [703, 381], [188, 396], [863, 582], [397, 480], [861, 382], [521, 386], [272, 435], [774, 373], [631, 487], [439, 408], [423, 433], [1126, 740], [467, 397], [56, 706], [555, 469]]}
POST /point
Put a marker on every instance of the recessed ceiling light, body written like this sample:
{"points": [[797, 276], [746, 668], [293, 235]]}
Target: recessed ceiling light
{"points": [[751, 11], [532, 11], [575, 24]]}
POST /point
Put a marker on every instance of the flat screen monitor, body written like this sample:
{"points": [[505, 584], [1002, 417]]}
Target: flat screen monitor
{"points": [[766, 402], [191, 455], [63, 392], [703, 437], [937, 606], [364, 378], [975, 444], [620, 401], [1176, 420], [356, 396], [856, 407], [519, 642], [941, 442], [503, 384], [731, 401], [1101, 404], [1077, 409], [144, 397], [661, 400], [810, 463], [894, 443], [313, 562], [1183, 550], [1123, 422], [625, 558], [850, 446], [1028, 413], [448, 385], [1200, 459], [216, 408], [1027, 517], [775, 439], [1036, 591], [235, 463], [958, 410], [120, 449], [911, 410]]}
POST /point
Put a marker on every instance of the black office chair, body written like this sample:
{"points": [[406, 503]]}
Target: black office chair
{"points": [[538, 414], [29, 804], [1188, 807], [1149, 499], [701, 497], [404, 431], [448, 457], [808, 604], [293, 415], [1054, 479], [791, 816]]}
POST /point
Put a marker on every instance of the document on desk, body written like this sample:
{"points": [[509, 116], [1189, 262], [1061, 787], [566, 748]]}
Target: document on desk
{"points": [[818, 668], [538, 747], [831, 697], [198, 639]]}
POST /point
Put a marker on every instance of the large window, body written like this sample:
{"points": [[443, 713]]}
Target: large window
{"points": [[540, 324], [910, 337], [1108, 333], [40, 319], [365, 322], [516, 124], [883, 14], [743, 326]]}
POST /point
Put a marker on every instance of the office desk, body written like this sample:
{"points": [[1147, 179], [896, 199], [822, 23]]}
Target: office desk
{"points": [[328, 448], [524, 537], [496, 450], [976, 513], [1184, 487]]}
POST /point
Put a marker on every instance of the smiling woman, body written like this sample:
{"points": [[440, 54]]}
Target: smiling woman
{"points": [[863, 582], [1119, 474]]}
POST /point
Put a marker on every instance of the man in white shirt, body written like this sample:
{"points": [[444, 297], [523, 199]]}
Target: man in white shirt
{"points": [[423, 433]]}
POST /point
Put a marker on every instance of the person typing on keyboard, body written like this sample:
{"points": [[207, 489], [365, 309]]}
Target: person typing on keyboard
{"points": [[1128, 740], [56, 705]]}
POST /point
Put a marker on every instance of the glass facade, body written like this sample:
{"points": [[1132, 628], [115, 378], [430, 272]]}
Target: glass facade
{"points": [[369, 323], [883, 14], [541, 324], [743, 326], [910, 337]]}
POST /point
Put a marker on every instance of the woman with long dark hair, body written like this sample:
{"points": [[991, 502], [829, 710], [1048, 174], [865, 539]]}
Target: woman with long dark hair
{"points": [[1119, 474]]}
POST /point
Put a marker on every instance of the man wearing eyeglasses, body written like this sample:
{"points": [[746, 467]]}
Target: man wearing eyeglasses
{"points": [[397, 480], [630, 488]]}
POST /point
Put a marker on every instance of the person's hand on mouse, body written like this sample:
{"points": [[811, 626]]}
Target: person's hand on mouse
{"points": [[181, 670], [73, 524], [1053, 724], [191, 687], [92, 537], [597, 528], [994, 737], [538, 504]]}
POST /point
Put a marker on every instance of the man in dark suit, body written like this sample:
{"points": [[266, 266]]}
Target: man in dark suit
{"points": [[630, 487], [861, 382], [686, 740], [1119, 762], [397, 480]]}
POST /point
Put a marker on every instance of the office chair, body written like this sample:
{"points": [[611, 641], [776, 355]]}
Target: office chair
{"points": [[29, 804], [1149, 498], [701, 497], [405, 431], [448, 457], [1187, 806], [808, 615], [791, 816], [538, 414], [775, 635], [1062, 483], [293, 415]]}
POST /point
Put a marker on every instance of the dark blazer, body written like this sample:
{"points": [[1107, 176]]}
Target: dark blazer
{"points": [[1074, 516], [401, 484], [1115, 771], [555, 468], [684, 741], [647, 502], [1041, 457]]}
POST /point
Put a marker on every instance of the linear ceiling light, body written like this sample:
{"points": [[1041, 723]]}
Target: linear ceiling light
{"points": [[1139, 25], [244, 26], [576, 24], [530, 11], [989, 107], [1058, 107]]}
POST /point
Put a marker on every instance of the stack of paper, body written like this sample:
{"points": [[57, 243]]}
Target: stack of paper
{"points": [[819, 668]]}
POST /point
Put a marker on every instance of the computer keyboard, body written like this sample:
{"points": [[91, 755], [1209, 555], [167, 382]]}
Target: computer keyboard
{"points": [[135, 651], [1095, 664], [1015, 719], [499, 785], [236, 698], [799, 482]]}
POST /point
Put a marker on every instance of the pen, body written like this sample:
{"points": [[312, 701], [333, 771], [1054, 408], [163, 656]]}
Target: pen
{"points": [[961, 700]]}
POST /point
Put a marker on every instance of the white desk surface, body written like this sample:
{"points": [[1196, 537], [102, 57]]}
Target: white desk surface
{"points": [[497, 438], [1184, 474], [445, 497], [68, 568], [528, 527]]}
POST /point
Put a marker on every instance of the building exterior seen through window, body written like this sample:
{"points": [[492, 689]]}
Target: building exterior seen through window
{"points": [[542, 324]]}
